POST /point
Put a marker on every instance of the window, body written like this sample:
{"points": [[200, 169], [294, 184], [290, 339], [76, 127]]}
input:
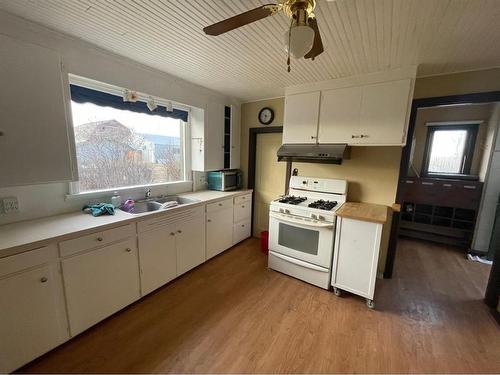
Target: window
{"points": [[122, 144], [449, 150]]}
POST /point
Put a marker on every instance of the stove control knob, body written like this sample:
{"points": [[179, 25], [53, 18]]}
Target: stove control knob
{"points": [[313, 216], [287, 211], [281, 210], [321, 217]]}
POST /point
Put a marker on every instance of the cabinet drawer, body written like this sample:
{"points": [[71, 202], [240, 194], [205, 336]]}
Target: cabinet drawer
{"points": [[90, 241], [242, 211], [27, 259], [173, 217], [226, 203], [243, 199], [241, 231]]}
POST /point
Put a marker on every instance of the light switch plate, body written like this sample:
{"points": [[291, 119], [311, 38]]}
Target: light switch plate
{"points": [[10, 205]]}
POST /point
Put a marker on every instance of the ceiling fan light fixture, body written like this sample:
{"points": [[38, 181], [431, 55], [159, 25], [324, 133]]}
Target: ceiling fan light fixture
{"points": [[300, 39]]}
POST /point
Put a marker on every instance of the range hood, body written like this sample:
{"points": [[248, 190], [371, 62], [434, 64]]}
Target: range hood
{"points": [[328, 153]]}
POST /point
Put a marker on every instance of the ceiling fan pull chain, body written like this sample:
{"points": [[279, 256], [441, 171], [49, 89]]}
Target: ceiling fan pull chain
{"points": [[289, 37]]}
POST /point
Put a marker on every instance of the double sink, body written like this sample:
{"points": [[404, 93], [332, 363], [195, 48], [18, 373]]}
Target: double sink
{"points": [[155, 204]]}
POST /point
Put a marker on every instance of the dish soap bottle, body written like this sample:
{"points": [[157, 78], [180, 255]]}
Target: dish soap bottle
{"points": [[116, 201]]}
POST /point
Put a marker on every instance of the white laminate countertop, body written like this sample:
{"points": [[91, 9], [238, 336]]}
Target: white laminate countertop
{"points": [[27, 235]]}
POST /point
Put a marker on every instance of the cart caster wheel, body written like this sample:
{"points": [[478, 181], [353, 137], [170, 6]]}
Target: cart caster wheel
{"points": [[370, 304], [337, 292]]}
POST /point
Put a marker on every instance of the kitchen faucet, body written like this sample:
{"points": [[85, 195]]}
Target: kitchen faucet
{"points": [[148, 194]]}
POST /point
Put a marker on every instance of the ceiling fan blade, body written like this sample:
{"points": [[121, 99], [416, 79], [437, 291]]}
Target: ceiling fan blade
{"points": [[317, 47], [241, 19]]}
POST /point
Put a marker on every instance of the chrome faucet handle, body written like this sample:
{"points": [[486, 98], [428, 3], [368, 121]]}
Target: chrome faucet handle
{"points": [[148, 193]]}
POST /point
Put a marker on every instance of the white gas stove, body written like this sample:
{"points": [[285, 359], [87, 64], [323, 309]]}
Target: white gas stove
{"points": [[302, 228]]}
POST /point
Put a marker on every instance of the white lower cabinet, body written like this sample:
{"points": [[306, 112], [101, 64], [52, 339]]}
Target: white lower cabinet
{"points": [[32, 313], [100, 282], [355, 257], [242, 218], [219, 227], [158, 258], [241, 231], [170, 246]]}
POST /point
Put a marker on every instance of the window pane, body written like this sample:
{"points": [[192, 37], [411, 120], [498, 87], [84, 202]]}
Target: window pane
{"points": [[446, 155], [118, 148]]}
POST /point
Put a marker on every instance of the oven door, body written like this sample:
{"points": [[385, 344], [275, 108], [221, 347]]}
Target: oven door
{"points": [[310, 241]]}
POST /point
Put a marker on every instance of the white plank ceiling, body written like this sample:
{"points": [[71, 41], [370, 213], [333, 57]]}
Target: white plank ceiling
{"points": [[360, 36]]}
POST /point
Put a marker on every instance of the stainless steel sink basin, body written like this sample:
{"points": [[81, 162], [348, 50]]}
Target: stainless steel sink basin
{"points": [[155, 204], [179, 200], [149, 206]]}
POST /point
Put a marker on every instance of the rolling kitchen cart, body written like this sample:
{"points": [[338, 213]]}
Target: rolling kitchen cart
{"points": [[357, 248]]}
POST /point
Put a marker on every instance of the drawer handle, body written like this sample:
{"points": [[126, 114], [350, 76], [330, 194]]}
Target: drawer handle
{"points": [[172, 233], [179, 231], [209, 220], [44, 279], [360, 136], [220, 204], [128, 249], [99, 239], [243, 225], [410, 182], [427, 183], [447, 185], [243, 206], [469, 187]]}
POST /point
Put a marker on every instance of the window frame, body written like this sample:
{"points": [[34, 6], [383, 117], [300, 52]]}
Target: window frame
{"points": [[182, 185], [472, 129]]}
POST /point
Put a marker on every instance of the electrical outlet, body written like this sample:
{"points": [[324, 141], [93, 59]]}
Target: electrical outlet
{"points": [[10, 205]]}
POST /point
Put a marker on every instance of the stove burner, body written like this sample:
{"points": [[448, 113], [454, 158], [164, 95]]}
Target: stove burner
{"points": [[323, 205], [291, 199]]}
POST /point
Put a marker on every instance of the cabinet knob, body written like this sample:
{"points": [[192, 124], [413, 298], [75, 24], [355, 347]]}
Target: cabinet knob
{"points": [[1, 133], [313, 137], [243, 206], [128, 249], [179, 231], [172, 233], [44, 279], [243, 225], [99, 239], [209, 220], [220, 204]]}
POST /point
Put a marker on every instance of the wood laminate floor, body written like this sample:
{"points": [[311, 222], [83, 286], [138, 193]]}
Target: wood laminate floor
{"points": [[234, 315]]}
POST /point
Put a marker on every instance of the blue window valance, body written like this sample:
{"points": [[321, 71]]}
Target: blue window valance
{"points": [[81, 94]]}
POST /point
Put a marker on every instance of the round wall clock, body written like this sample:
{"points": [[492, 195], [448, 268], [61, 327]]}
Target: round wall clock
{"points": [[266, 116]]}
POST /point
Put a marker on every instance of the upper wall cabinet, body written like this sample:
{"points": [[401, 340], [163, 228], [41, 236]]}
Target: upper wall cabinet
{"points": [[372, 110], [34, 139], [208, 135], [301, 118]]}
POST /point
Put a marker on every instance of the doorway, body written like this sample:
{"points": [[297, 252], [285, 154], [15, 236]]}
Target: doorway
{"points": [[466, 174]]}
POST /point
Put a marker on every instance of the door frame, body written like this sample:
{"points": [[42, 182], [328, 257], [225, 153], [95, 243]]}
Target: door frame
{"points": [[475, 98], [252, 158]]}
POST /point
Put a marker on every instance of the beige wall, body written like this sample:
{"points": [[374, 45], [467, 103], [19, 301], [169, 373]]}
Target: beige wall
{"points": [[458, 83], [457, 113]]}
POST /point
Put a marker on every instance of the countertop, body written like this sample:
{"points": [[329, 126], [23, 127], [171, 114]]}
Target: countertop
{"points": [[374, 213], [27, 235]]}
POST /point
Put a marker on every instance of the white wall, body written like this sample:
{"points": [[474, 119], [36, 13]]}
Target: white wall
{"points": [[89, 61], [491, 189]]}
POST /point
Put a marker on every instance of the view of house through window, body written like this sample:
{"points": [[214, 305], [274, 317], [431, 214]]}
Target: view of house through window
{"points": [[118, 148]]}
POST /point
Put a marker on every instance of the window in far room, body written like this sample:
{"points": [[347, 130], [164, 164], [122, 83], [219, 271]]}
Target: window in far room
{"points": [[124, 144], [449, 150]]}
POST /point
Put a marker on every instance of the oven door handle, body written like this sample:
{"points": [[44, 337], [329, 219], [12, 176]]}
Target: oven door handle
{"points": [[299, 222], [300, 262]]}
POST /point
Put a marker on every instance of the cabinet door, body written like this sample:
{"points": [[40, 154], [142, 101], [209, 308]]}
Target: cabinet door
{"points": [[235, 136], [301, 118], [190, 244], [32, 316], [100, 283], [34, 140], [384, 113], [214, 137], [356, 257], [339, 116], [157, 257], [219, 233]]}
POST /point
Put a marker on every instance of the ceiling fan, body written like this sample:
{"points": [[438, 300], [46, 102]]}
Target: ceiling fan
{"points": [[302, 39]]}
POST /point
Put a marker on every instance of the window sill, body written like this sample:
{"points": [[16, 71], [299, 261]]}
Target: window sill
{"points": [[135, 192]]}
